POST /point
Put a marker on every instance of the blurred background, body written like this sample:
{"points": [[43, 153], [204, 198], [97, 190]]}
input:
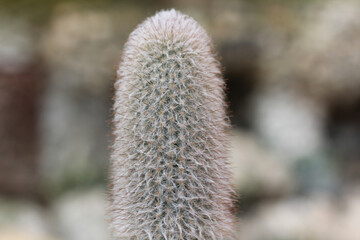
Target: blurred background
{"points": [[293, 75]]}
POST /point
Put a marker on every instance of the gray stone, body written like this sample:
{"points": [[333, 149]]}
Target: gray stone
{"points": [[81, 47], [256, 170], [80, 215]]}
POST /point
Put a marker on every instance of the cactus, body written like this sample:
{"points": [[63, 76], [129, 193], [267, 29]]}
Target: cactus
{"points": [[169, 171]]}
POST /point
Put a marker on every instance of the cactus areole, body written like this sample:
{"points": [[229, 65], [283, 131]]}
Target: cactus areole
{"points": [[169, 173]]}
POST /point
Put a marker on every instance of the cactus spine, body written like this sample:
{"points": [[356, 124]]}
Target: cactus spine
{"points": [[169, 173]]}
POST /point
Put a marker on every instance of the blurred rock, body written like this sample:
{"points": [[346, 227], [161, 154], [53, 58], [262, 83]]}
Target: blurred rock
{"points": [[297, 218], [19, 234], [21, 78], [20, 220], [17, 44], [82, 42], [348, 222], [327, 55], [255, 170], [227, 20], [317, 173], [316, 217], [74, 131], [80, 215], [288, 122], [81, 48], [275, 26]]}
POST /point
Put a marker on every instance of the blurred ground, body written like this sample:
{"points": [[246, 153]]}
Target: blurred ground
{"points": [[293, 77]]}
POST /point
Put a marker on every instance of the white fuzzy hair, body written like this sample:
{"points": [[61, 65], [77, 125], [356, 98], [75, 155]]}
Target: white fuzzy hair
{"points": [[169, 172]]}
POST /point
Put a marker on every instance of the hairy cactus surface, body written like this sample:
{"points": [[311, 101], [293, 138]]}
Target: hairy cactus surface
{"points": [[169, 172]]}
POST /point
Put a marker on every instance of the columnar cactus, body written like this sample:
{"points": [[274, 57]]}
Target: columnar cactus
{"points": [[170, 178]]}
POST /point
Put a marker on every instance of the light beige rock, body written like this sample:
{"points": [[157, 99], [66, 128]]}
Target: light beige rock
{"points": [[23, 220], [314, 217], [327, 55], [19, 234], [255, 169], [80, 215]]}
